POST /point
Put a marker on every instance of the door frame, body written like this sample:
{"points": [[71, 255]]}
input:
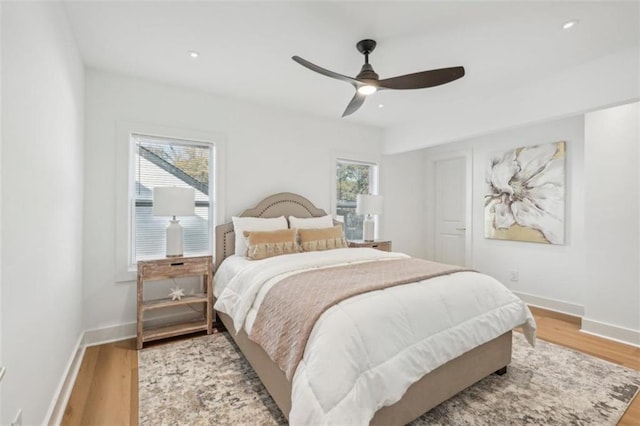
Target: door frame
{"points": [[430, 208]]}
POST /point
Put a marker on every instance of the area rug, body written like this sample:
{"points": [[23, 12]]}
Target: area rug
{"points": [[206, 381]]}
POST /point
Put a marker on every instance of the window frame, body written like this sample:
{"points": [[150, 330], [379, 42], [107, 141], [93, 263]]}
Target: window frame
{"points": [[125, 174], [374, 184], [133, 200]]}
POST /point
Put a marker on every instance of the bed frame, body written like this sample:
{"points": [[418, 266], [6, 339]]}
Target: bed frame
{"points": [[434, 388]]}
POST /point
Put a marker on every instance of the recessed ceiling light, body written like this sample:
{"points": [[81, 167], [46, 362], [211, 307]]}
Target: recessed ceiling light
{"points": [[570, 24], [380, 105], [193, 54]]}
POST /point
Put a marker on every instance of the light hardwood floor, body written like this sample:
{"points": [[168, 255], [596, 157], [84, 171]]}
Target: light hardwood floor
{"points": [[106, 390]]}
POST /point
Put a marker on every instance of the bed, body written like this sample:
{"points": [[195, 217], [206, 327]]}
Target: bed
{"points": [[437, 385]]}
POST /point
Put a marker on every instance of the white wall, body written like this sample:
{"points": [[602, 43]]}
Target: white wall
{"points": [[606, 81], [267, 150], [1, 364], [551, 272], [612, 209], [403, 188], [42, 150]]}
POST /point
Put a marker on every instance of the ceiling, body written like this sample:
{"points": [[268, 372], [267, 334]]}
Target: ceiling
{"points": [[246, 47]]}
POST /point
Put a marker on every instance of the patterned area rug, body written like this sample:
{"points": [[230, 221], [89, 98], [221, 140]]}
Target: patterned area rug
{"points": [[206, 381]]}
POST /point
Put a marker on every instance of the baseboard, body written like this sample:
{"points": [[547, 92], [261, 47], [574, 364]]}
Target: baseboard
{"points": [[114, 333], [63, 391], [611, 332], [551, 304]]}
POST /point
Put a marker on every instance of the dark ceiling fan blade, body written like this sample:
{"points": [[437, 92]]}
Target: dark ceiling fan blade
{"points": [[355, 104], [314, 67], [424, 79]]}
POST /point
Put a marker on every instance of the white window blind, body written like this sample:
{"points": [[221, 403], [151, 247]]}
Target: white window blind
{"points": [[170, 162], [353, 178]]}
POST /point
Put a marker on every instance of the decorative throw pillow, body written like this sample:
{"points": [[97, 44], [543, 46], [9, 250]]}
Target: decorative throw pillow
{"points": [[322, 239], [311, 222], [241, 224], [263, 244]]}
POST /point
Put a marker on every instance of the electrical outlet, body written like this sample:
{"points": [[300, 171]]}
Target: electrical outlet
{"points": [[17, 421], [514, 275]]}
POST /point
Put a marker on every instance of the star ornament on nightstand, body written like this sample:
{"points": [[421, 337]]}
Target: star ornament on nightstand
{"points": [[176, 293]]}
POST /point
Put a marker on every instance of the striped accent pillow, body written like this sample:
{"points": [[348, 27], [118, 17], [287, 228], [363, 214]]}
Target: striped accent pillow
{"points": [[322, 239], [264, 244]]}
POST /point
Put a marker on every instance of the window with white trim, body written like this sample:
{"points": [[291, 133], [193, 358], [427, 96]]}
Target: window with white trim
{"points": [[353, 178], [170, 162]]}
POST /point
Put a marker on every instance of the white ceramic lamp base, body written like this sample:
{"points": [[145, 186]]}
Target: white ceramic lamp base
{"points": [[175, 246], [368, 228]]}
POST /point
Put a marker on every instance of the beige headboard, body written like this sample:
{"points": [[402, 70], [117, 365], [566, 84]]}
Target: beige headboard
{"points": [[283, 204]]}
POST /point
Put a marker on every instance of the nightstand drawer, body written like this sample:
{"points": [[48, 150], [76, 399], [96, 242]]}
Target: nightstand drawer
{"points": [[379, 245], [170, 268], [384, 246]]}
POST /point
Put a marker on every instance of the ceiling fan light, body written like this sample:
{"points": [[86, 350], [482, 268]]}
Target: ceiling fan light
{"points": [[367, 90]]}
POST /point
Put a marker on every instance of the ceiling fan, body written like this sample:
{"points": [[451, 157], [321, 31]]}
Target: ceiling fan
{"points": [[367, 82]]}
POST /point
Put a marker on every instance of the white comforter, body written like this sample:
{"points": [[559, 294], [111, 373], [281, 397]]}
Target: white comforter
{"points": [[366, 351]]}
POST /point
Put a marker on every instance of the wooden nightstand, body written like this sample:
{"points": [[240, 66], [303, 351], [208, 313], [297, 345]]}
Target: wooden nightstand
{"points": [[377, 244], [175, 267]]}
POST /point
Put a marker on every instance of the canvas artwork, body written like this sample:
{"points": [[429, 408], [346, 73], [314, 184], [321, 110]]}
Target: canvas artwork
{"points": [[524, 200]]}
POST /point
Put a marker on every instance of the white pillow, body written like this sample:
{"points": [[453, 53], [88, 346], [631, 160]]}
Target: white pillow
{"points": [[241, 224], [311, 222]]}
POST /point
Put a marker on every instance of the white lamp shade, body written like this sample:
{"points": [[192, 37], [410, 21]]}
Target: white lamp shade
{"points": [[173, 201], [369, 204]]}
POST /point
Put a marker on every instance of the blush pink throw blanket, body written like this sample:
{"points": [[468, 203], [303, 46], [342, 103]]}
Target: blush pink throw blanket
{"points": [[291, 308]]}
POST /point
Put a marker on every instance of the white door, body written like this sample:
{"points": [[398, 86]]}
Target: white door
{"points": [[450, 210]]}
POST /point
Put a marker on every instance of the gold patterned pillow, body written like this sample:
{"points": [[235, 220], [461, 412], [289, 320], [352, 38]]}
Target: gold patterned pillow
{"points": [[322, 239], [264, 244]]}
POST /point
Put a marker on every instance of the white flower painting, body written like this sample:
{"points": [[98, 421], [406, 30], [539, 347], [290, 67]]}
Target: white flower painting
{"points": [[524, 200]]}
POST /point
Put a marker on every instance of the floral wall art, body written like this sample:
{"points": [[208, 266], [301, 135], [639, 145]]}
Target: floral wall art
{"points": [[525, 194]]}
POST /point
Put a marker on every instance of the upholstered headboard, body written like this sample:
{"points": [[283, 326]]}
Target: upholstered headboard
{"points": [[283, 204]]}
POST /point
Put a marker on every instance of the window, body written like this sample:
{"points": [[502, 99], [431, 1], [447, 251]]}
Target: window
{"points": [[353, 178], [170, 162]]}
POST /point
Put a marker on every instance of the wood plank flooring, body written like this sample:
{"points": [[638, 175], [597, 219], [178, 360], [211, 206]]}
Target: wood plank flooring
{"points": [[106, 389]]}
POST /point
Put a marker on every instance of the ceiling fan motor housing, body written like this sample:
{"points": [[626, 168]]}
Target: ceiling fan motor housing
{"points": [[367, 73]]}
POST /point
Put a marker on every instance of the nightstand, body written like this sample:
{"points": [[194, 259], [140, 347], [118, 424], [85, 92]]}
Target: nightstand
{"points": [[175, 267], [376, 244]]}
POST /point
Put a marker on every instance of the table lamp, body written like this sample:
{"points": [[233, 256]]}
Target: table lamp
{"points": [[368, 205], [174, 201]]}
